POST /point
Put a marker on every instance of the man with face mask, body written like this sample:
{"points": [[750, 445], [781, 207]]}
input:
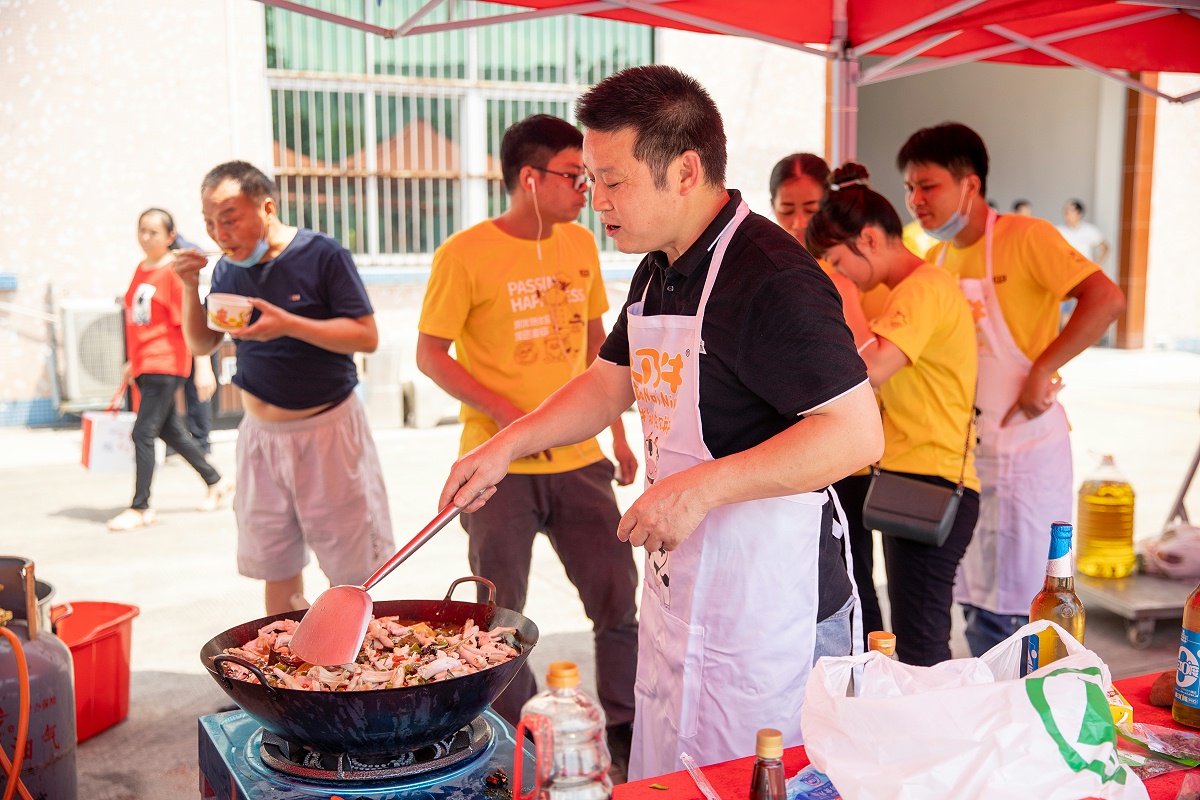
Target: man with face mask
{"points": [[308, 475], [1014, 271]]}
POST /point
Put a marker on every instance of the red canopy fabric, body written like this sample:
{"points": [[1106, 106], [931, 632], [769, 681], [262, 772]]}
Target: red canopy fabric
{"points": [[1167, 43]]}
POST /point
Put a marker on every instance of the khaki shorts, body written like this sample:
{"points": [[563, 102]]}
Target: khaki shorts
{"points": [[316, 484]]}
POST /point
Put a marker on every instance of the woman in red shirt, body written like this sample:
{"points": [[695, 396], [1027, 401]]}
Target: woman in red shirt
{"points": [[159, 361]]}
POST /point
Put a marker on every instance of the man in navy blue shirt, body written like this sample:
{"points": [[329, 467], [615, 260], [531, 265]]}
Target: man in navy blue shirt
{"points": [[308, 473]]}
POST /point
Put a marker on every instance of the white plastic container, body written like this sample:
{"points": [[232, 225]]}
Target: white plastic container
{"points": [[568, 733]]}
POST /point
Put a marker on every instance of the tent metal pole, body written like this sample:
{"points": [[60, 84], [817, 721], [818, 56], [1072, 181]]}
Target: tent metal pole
{"points": [[517, 16], [844, 118], [420, 14], [877, 76], [712, 25], [917, 25], [329, 16], [845, 108], [1076, 61], [910, 53]]}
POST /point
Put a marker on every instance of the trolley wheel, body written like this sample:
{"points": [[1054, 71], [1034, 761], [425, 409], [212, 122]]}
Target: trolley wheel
{"points": [[1140, 633]]}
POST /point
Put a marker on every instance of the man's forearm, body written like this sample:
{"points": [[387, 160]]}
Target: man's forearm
{"points": [[1100, 302], [582, 408], [337, 335], [454, 379], [201, 340], [808, 456]]}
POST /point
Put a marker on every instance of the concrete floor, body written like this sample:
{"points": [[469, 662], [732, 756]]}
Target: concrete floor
{"points": [[1140, 406]]}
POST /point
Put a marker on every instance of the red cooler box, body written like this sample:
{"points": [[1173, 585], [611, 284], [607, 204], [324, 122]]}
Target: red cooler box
{"points": [[99, 635]]}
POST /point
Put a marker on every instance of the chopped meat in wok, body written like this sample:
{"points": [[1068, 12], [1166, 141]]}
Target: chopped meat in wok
{"points": [[393, 654]]}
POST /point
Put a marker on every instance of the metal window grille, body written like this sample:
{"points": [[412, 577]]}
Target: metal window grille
{"points": [[386, 145]]}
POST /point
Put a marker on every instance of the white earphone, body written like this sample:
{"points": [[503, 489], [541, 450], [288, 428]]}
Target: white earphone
{"points": [[531, 184]]}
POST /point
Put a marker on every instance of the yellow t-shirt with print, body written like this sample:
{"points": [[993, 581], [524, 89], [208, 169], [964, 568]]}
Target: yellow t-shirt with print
{"points": [[927, 404], [1033, 269], [519, 325]]}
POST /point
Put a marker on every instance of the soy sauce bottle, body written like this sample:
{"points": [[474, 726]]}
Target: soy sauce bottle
{"points": [[768, 781]]}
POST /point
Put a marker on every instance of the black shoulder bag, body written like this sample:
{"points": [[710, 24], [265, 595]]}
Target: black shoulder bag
{"points": [[913, 509]]}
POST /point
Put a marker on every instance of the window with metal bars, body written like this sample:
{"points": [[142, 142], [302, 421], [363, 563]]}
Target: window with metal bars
{"points": [[392, 145]]}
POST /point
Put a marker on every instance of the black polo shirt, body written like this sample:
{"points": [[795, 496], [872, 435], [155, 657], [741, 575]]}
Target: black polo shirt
{"points": [[775, 343]]}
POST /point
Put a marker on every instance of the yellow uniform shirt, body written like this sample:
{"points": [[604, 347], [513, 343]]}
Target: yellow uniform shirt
{"points": [[927, 404], [1033, 269], [916, 239], [519, 325], [872, 302]]}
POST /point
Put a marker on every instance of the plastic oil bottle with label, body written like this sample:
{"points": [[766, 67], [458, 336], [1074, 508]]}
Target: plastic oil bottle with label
{"points": [[1104, 529]]}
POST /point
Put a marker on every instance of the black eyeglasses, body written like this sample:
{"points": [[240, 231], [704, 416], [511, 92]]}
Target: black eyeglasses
{"points": [[579, 181]]}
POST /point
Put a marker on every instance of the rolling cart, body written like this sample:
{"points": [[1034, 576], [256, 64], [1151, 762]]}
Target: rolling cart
{"points": [[1142, 600]]}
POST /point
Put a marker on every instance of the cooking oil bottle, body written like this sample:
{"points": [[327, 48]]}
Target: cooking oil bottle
{"points": [[1185, 709], [1105, 524], [1057, 601]]}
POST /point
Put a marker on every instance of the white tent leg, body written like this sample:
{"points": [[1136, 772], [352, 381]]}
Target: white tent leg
{"points": [[845, 109]]}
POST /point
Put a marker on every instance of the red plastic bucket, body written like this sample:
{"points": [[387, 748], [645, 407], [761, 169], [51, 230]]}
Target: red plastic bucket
{"points": [[99, 635]]}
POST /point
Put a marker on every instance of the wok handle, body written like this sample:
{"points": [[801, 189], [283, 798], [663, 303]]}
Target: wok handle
{"points": [[444, 516], [491, 587], [221, 658]]}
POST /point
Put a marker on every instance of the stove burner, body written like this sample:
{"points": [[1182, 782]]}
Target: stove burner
{"points": [[304, 762]]}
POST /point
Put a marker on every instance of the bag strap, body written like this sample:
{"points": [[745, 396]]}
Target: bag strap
{"points": [[117, 399], [967, 443]]}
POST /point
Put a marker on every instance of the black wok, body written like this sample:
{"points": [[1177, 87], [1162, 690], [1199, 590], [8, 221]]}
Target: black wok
{"points": [[381, 720]]}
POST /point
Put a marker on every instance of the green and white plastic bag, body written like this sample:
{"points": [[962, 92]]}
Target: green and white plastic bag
{"points": [[967, 729]]}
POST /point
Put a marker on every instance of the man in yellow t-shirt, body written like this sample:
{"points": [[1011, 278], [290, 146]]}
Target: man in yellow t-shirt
{"points": [[520, 296], [1014, 272]]}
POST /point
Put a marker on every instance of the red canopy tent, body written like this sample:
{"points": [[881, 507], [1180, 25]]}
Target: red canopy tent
{"points": [[1108, 37]]}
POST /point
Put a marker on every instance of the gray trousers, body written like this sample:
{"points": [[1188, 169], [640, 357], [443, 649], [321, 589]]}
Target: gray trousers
{"points": [[577, 511]]}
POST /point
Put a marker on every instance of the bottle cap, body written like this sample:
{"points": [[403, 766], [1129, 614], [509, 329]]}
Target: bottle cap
{"points": [[1060, 529], [882, 641], [562, 675], [770, 744]]}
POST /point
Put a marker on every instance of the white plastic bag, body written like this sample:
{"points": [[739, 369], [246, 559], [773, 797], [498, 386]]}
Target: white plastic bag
{"points": [[967, 729], [108, 441], [1175, 554]]}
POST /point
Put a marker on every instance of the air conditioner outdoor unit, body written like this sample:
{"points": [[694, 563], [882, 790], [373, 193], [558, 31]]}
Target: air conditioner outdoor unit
{"points": [[93, 346]]}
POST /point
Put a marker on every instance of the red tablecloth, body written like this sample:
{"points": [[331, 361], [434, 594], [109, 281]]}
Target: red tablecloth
{"points": [[731, 779]]}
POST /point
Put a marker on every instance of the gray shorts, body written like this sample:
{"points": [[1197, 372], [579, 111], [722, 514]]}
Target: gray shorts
{"points": [[316, 484]]}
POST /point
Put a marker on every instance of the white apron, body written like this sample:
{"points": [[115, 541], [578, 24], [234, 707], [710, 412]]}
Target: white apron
{"points": [[728, 619], [1024, 467]]}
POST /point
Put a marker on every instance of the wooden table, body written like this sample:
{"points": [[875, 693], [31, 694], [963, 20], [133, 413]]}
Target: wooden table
{"points": [[731, 779]]}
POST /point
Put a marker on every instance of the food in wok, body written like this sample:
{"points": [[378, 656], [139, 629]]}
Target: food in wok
{"points": [[394, 654]]}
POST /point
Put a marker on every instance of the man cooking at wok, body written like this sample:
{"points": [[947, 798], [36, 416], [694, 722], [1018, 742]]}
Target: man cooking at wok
{"points": [[752, 399]]}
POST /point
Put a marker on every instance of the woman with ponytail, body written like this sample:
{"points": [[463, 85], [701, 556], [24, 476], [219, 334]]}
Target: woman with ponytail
{"points": [[798, 183], [921, 359]]}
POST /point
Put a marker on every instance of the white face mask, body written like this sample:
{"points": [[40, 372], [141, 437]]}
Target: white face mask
{"points": [[958, 220]]}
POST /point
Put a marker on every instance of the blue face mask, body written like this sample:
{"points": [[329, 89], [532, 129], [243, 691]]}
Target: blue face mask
{"points": [[255, 256], [958, 220]]}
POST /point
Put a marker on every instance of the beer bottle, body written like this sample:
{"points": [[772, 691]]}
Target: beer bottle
{"points": [[1185, 709], [882, 641], [1057, 601]]}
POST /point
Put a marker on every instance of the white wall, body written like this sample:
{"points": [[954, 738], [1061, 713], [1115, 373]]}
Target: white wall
{"points": [[108, 107], [1173, 276], [1045, 129], [772, 101]]}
